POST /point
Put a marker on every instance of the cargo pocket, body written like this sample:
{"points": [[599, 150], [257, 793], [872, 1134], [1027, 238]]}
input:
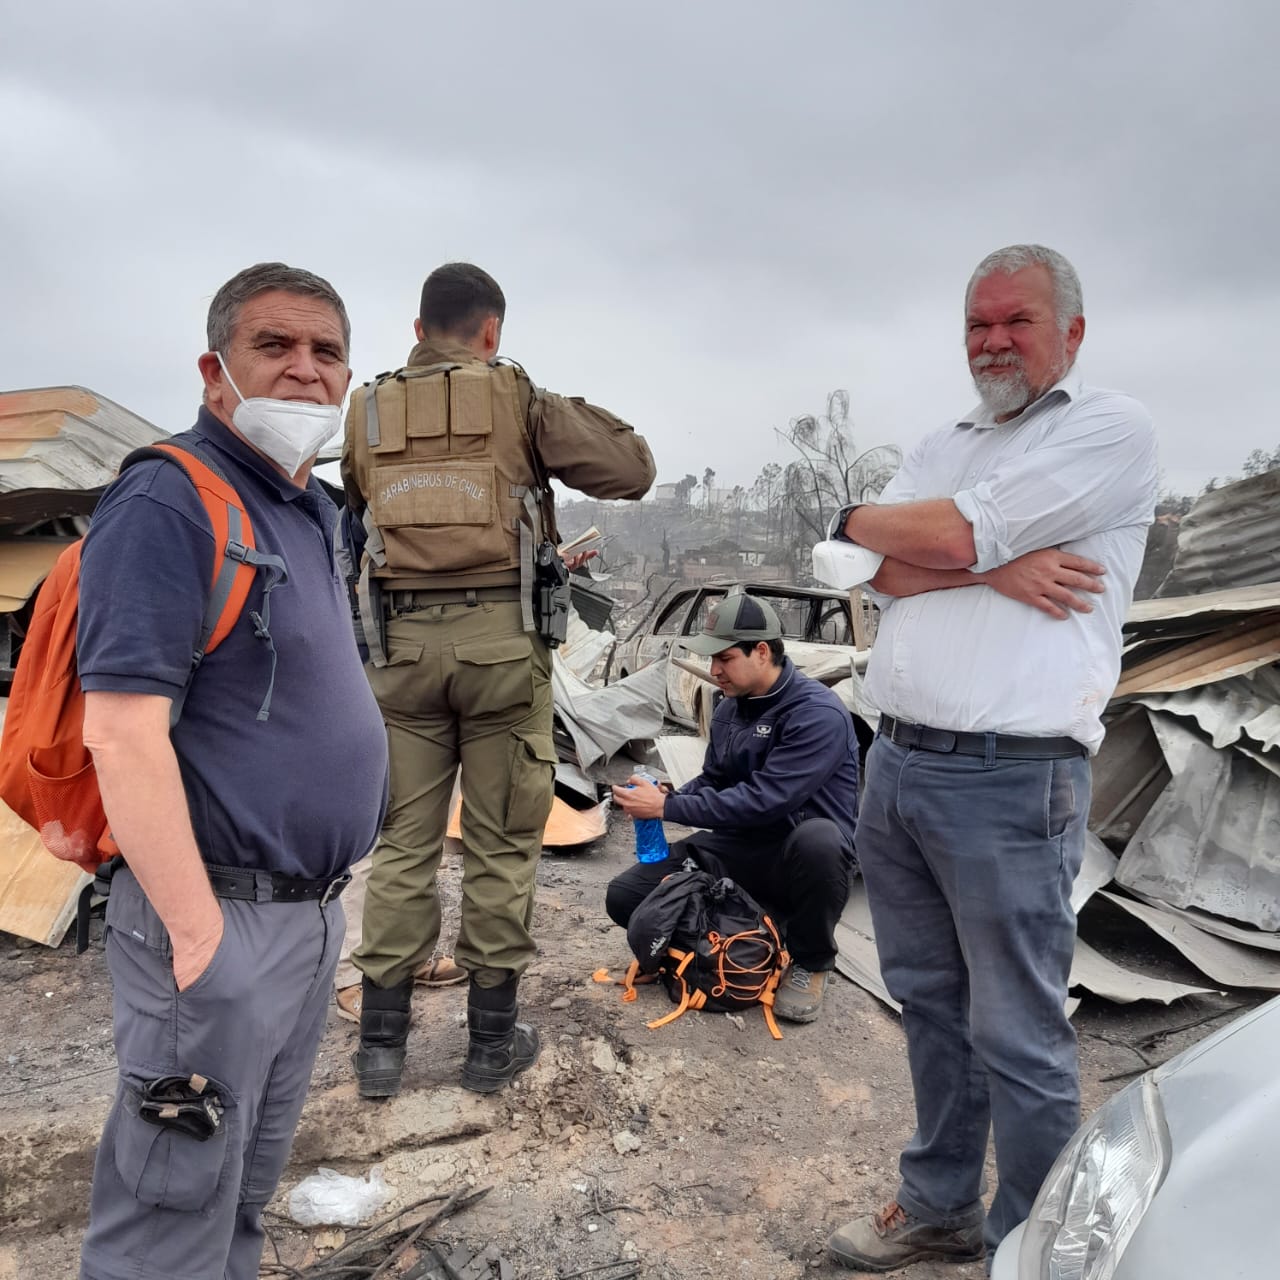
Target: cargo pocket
{"points": [[502, 665], [166, 1169], [398, 686], [533, 773], [402, 653]]}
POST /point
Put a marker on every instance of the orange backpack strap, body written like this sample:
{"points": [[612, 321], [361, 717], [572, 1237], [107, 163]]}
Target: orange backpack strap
{"points": [[236, 562], [690, 998], [771, 987]]}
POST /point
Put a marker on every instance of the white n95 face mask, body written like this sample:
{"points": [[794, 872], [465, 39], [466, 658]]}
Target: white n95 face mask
{"points": [[844, 565], [289, 432]]}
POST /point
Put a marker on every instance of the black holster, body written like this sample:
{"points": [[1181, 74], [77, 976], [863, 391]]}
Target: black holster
{"points": [[551, 595]]}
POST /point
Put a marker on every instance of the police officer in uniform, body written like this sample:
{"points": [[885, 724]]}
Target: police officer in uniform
{"points": [[447, 463]]}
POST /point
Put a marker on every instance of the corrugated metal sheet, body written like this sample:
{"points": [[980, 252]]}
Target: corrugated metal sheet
{"points": [[1212, 840], [1247, 706], [593, 606], [1230, 650], [1129, 774], [59, 447], [1230, 538], [1204, 611], [1219, 958]]}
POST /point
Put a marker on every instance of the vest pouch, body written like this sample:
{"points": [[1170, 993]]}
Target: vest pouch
{"points": [[439, 517], [389, 404], [470, 410], [427, 414], [448, 415]]}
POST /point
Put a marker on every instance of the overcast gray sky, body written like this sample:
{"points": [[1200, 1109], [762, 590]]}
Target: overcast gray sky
{"points": [[705, 216]]}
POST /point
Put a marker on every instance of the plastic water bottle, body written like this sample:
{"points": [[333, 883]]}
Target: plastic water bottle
{"points": [[651, 840]]}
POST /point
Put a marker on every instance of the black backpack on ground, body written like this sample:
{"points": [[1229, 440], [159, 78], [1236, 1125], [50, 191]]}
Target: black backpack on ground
{"points": [[710, 942]]}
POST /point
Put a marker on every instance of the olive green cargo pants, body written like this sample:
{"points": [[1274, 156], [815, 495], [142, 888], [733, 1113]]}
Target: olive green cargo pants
{"points": [[464, 686]]}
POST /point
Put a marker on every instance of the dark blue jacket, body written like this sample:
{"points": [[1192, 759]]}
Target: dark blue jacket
{"points": [[774, 760]]}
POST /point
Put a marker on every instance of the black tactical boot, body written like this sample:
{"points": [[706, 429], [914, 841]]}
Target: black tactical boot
{"points": [[499, 1047], [384, 1028]]}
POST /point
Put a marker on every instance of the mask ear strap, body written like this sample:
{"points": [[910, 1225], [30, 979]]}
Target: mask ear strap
{"points": [[230, 379]]}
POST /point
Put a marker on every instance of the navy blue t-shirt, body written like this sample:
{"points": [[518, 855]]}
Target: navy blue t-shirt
{"points": [[304, 791]]}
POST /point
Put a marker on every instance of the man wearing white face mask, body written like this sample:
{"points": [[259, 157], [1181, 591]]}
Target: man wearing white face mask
{"points": [[288, 433], [237, 806]]}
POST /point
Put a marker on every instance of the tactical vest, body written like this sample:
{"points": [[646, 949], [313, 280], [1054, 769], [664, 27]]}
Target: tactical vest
{"points": [[442, 456]]}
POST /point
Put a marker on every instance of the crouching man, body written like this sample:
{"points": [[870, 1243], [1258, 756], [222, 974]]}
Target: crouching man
{"points": [[778, 796]]}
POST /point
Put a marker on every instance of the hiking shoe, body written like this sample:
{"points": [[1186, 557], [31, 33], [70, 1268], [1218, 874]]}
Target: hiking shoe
{"points": [[349, 1000], [440, 972], [893, 1238], [799, 994]]}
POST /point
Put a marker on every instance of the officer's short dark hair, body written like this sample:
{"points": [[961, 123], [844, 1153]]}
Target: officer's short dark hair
{"points": [[776, 648], [456, 299]]}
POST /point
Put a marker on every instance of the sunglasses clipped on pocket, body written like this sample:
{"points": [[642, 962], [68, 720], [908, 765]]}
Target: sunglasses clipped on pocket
{"points": [[187, 1104]]}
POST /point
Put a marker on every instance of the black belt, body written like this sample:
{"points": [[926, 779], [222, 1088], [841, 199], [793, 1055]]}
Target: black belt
{"points": [[1003, 746], [236, 882], [416, 600]]}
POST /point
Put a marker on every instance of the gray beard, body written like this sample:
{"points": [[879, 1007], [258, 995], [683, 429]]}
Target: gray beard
{"points": [[1004, 393]]}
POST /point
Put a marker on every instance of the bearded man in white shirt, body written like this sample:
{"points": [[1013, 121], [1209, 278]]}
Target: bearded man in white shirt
{"points": [[1011, 541]]}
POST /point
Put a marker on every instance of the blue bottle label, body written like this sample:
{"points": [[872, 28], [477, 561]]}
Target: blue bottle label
{"points": [[651, 840]]}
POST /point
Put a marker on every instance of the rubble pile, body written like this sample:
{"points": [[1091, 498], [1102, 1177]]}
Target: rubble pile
{"points": [[1185, 819], [1187, 784]]}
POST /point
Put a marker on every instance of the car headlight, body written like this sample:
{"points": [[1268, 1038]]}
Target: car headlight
{"points": [[1098, 1189]]}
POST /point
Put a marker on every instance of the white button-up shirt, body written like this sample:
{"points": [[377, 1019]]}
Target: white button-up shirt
{"points": [[1077, 471]]}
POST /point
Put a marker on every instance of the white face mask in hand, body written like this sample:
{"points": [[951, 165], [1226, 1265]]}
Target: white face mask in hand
{"points": [[289, 432]]}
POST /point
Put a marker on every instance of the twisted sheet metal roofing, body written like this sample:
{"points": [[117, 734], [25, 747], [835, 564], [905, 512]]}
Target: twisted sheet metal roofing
{"points": [[1232, 650], [1209, 841], [1245, 707], [1207, 609], [1230, 538], [59, 447], [1183, 642]]}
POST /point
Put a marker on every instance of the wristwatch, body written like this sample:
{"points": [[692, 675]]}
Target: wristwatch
{"points": [[835, 531]]}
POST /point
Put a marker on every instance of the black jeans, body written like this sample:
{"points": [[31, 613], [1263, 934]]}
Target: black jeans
{"points": [[803, 885]]}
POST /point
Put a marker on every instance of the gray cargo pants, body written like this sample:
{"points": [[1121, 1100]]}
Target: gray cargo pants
{"points": [[165, 1205]]}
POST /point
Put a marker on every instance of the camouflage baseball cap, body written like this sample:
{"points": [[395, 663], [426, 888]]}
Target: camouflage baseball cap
{"points": [[734, 619]]}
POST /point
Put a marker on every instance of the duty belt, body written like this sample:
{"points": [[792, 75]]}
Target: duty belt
{"points": [[1001, 746], [414, 601], [271, 886]]}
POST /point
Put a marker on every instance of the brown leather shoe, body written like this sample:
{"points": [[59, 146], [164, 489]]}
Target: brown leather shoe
{"points": [[440, 972], [893, 1238], [349, 1000], [799, 994]]}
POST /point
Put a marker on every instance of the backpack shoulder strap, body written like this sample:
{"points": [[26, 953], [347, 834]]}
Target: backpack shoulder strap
{"points": [[236, 559], [233, 573]]}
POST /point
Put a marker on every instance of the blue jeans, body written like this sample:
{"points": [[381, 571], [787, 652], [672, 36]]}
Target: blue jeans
{"points": [[969, 865]]}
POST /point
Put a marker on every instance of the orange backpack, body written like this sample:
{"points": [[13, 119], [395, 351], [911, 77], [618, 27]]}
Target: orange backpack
{"points": [[46, 772]]}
